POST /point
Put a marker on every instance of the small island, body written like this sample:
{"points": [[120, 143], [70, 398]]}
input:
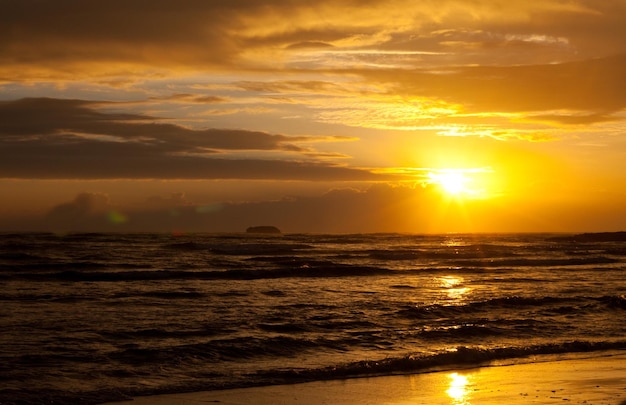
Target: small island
{"points": [[263, 229]]}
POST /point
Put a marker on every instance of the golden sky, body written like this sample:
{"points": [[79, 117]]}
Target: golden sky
{"points": [[314, 116]]}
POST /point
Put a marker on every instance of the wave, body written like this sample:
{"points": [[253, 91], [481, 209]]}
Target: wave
{"points": [[156, 333], [593, 237], [615, 301], [240, 249], [474, 251], [284, 267], [462, 356], [541, 262], [336, 270], [222, 350], [69, 298], [559, 305], [75, 266]]}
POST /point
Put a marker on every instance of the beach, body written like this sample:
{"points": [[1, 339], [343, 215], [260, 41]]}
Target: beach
{"points": [[593, 379]]}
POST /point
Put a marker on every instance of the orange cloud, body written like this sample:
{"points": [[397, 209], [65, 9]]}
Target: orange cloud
{"points": [[68, 39]]}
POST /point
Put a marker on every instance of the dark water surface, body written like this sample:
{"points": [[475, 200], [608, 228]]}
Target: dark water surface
{"points": [[88, 318]]}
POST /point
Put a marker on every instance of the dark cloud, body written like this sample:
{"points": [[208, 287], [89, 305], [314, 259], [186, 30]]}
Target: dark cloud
{"points": [[51, 138], [113, 34], [115, 30], [380, 208], [297, 37], [86, 208], [83, 204], [175, 200], [310, 45], [45, 116], [121, 163], [192, 31]]}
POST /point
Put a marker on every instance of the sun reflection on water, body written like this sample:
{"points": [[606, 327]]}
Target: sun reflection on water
{"points": [[458, 389], [453, 289]]}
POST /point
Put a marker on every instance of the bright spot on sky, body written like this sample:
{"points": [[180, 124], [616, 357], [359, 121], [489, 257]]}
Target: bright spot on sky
{"points": [[452, 182]]}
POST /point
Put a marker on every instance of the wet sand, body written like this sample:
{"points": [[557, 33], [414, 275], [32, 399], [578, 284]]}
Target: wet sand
{"points": [[592, 379]]}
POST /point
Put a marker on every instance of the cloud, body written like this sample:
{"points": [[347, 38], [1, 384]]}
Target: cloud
{"points": [[115, 31], [70, 139], [175, 200], [379, 208], [593, 89], [192, 98], [84, 204], [70, 39], [293, 87], [309, 45], [44, 116], [529, 101], [425, 49], [573, 118], [585, 85], [91, 208]]}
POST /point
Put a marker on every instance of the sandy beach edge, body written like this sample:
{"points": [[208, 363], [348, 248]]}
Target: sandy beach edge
{"points": [[584, 379]]}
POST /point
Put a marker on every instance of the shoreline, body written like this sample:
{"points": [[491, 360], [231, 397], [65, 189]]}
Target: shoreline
{"points": [[593, 379]]}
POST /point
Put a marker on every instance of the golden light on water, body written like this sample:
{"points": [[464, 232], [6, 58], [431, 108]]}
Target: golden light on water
{"points": [[453, 289], [450, 281], [458, 389]]}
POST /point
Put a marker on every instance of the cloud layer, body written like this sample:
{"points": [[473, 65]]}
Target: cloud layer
{"points": [[381, 208], [52, 138], [400, 64]]}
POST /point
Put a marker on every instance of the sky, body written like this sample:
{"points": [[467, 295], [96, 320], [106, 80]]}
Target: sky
{"points": [[333, 116]]}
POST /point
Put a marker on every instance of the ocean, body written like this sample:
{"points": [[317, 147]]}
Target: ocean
{"points": [[90, 318]]}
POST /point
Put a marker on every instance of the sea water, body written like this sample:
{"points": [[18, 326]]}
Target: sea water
{"points": [[87, 318]]}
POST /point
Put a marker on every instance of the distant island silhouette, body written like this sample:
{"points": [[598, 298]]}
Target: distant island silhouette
{"points": [[594, 237], [263, 229]]}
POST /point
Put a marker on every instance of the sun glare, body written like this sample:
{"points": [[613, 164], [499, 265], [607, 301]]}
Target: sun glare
{"points": [[468, 183], [453, 183]]}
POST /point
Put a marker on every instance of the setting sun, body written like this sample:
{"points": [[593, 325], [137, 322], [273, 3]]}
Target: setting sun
{"points": [[454, 183], [475, 183]]}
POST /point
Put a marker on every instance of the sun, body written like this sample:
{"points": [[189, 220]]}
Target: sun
{"points": [[475, 183], [454, 183]]}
